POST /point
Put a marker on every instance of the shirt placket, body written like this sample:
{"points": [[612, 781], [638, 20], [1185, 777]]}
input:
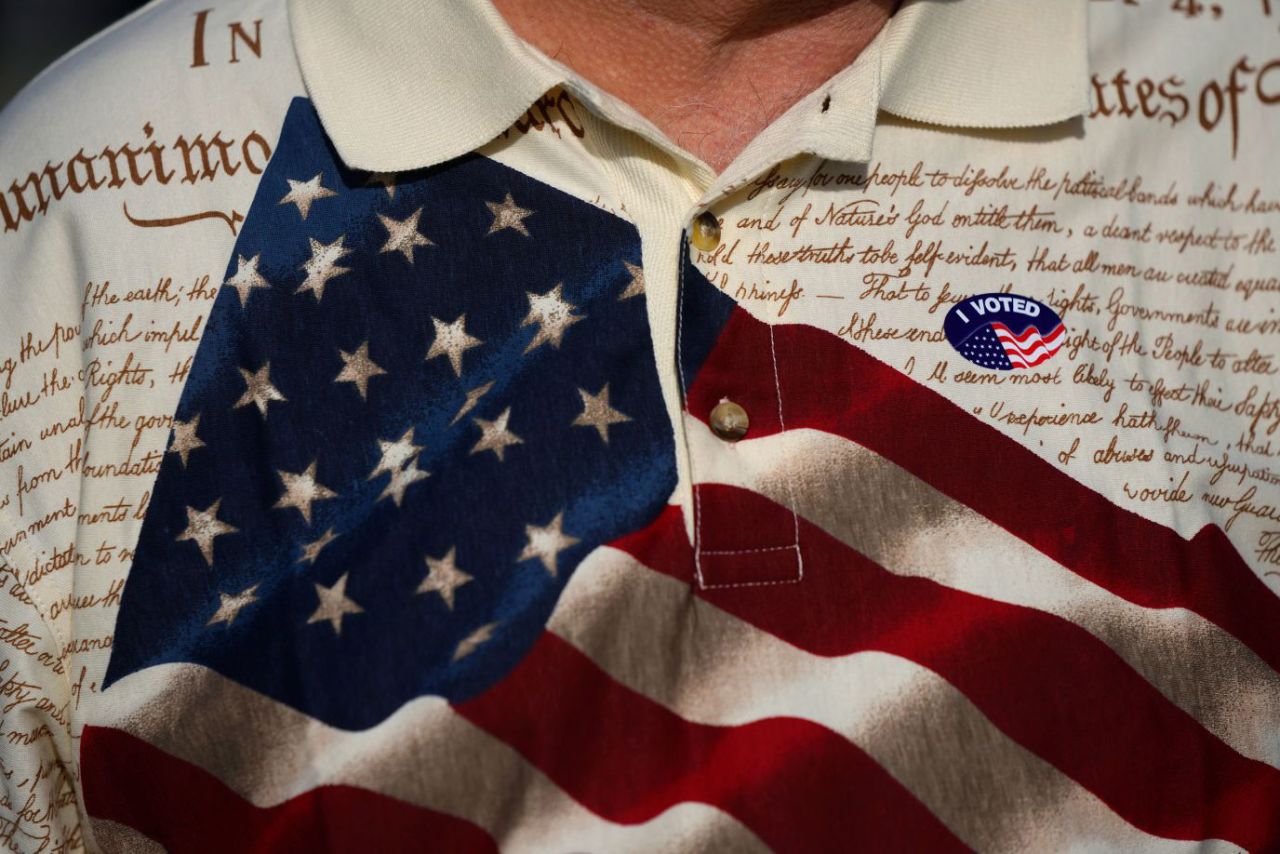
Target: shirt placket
{"points": [[733, 412], [726, 386]]}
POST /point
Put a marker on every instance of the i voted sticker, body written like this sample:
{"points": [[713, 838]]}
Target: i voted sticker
{"points": [[1004, 332]]}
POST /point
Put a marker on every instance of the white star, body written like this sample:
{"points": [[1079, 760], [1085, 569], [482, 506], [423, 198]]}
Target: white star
{"points": [[185, 439], [636, 286], [301, 489], [247, 277], [303, 193], [395, 454], [386, 179], [597, 413], [323, 265], [402, 479], [545, 544], [507, 214], [358, 368], [443, 577], [473, 397], [552, 313], [334, 604], [232, 604], [258, 389], [402, 235], [203, 526], [468, 645], [494, 435], [452, 340], [311, 551]]}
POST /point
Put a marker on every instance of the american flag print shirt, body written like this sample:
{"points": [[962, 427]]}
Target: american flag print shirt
{"points": [[367, 483]]}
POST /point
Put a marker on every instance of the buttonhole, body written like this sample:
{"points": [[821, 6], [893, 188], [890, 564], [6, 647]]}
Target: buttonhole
{"points": [[826, 102]]}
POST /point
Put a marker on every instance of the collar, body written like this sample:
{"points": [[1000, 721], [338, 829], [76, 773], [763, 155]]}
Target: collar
{"points": [[405, 84], [987, 63]]}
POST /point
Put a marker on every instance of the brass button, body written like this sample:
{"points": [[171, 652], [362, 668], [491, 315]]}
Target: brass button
{"points": [[706, 231], [729, 420]]}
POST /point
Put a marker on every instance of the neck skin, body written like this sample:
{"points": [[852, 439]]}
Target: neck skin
{"points": [[711, 74]]}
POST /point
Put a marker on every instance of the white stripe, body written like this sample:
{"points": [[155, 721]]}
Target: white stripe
{"points": [[1030, 353], [1036, 339], [710, 667], [1036, 346], [425, 754], [1016, 360], [904, 525]]}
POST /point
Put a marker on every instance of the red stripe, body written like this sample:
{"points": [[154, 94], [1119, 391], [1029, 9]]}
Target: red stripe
{"points": [[1047, 683], [1009, 344], [186, 809], [1031, 332], [1039, 351], [1017, 360], [795, 784], [831, 385]]}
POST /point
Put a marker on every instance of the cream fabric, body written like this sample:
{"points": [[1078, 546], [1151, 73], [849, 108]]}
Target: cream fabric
{"points": [[977, 63], [1113, 160]]}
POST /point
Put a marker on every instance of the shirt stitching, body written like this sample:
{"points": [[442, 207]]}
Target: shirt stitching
{"points": [[782, 428], [747, 551], [684, 405], [698, 551]]}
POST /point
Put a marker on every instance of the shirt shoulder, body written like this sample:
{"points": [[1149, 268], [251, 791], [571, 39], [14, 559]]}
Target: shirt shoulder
{"points": [[126, 169], [171, 57], [161, 101]]}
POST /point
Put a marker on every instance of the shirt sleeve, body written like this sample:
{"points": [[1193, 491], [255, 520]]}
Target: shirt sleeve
{"points": [[45, 417], [125, 170], [39, 809], [60, 422]]}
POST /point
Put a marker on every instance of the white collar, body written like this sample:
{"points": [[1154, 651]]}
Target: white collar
{"points": [[405, 84]]}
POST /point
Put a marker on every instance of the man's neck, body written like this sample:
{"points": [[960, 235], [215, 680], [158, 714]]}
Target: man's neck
{"points": [[711, 74]]}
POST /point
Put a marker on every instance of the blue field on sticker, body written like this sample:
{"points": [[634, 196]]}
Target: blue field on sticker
{"points": [[1004, 332]]}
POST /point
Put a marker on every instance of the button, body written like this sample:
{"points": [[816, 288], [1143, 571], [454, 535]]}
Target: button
{"points": [[729, 420], [706, 231]]}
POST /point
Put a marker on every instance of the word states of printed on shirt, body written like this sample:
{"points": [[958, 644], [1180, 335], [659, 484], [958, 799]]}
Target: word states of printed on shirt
{"points": [[351, 506]]}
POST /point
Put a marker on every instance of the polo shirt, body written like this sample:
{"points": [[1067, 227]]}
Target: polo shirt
{"points": [[407, 446]]}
